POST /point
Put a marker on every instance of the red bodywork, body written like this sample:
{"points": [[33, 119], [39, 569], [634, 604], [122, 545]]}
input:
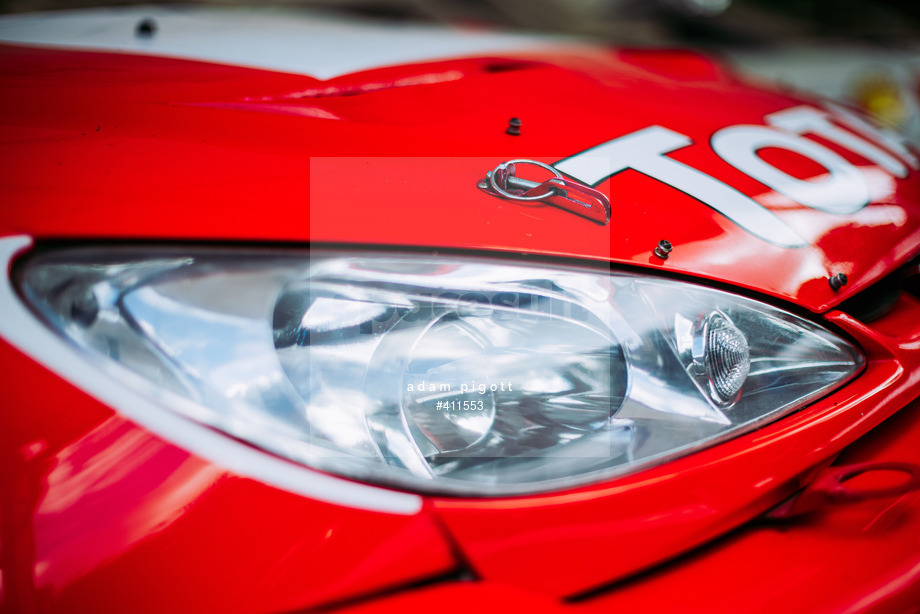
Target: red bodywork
{"points": [[99, 514]]}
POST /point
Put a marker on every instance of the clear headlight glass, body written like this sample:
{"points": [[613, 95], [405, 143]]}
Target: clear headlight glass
{"points": [[440, 374]]}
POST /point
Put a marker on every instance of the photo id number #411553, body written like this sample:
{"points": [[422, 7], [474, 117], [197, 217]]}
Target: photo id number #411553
{"points": [[477, 405]]}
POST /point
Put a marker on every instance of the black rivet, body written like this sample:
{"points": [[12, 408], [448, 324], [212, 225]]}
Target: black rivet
{"points": [[145, 28], [514, 127], [664, 248], [837, 281]]}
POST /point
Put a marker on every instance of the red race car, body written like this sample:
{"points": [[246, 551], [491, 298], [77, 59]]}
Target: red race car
{"points": [[309, 314]]}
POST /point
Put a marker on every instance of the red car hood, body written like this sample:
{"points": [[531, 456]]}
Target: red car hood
{"points": [[105, 145]]}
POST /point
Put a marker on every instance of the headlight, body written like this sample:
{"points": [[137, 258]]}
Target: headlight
{"points": [[446, 374]]}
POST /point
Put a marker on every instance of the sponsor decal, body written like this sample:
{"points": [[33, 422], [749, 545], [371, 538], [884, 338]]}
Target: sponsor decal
{"points": [[842, 190]]}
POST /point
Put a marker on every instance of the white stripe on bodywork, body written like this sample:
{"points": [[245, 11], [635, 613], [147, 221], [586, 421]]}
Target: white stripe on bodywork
{"points": [[22, 330], [290, 41]]}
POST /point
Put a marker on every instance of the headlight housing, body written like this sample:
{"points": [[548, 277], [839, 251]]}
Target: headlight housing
{"points": [[441, 374]]}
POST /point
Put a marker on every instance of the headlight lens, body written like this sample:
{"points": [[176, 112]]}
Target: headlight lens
{"points": [[445, 374]]}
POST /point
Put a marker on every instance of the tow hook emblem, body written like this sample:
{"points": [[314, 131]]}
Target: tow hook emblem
{"points": [[557, 191]]}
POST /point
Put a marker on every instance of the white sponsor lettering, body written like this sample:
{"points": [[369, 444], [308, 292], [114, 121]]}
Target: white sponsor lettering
{"points": [[889, 138], [804, 120], [283, 39], [645, 150], [842, 190]]}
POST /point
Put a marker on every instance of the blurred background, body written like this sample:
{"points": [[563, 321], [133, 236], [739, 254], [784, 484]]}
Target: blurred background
{"points": [[864, 51]]}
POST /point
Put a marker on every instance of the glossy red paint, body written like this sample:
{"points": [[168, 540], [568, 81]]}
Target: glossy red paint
{"points": [[99, 513], [160, 148], [862, 557], [109, 146], [645, 518]]}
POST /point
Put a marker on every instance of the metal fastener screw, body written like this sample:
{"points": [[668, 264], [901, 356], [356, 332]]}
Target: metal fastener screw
{"points": [[837, 281], [514, 127], [664, 248]]}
